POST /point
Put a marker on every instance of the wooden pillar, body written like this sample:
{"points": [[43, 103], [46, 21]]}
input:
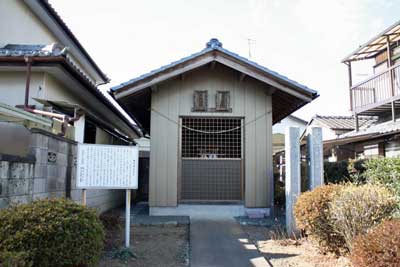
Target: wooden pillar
{"points": [[350, 84], [389, 65], [356, 124]]}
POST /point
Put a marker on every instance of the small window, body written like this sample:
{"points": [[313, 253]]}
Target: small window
{"points": [[222, 101], [200, 101]]}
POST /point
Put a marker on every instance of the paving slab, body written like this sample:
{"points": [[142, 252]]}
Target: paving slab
{"points": [[218, 243]]}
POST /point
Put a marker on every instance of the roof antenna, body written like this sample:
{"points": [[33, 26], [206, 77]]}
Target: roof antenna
{"points": [[250, 42]]}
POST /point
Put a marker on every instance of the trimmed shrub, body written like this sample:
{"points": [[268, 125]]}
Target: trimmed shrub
{"points": [[356, 171], [336, 172], [358, 208], [279, 193], [378, 248], [312, 215], [53, 232], [384, 171], [14, 259]]}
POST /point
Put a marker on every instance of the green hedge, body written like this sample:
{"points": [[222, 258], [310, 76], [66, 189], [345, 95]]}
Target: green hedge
{"points": [[344, 171], [56, 232], [385, 171]]}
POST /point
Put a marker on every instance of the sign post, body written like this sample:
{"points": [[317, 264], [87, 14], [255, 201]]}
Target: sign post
{"points": [[127, 217], [84, 197], [108, 167]]}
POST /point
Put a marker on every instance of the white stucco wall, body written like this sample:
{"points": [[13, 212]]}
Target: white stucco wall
{"points": [[289, 121], [327, 133], [12, 88], [20, 26]]}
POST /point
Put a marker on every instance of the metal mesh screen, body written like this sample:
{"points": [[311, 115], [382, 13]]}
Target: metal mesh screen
{"points": [[211, 180], [211, 137], [211, 159]]}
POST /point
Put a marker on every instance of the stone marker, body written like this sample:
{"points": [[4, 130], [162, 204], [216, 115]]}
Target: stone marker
{"points": [[292, 180], [315, 158]]}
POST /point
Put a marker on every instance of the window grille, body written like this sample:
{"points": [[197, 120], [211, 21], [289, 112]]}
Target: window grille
{"points": [[200, 101], [222, 101], [211, 138]]}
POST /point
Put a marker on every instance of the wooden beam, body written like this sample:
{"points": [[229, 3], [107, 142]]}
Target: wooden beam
{"points": [[163, 76], [271, 90], [249, 72], [212, 65], [154, 88], [241, 77]]}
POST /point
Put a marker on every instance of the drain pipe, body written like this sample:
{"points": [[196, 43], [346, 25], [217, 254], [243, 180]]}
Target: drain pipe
{"points": [[28, 61], [65, 118]]}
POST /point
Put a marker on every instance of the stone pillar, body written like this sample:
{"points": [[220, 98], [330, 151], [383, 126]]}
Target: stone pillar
{"points": [[315, 158], [292, 179]]}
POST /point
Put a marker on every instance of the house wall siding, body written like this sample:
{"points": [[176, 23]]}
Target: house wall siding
{"points": [[174, 98]]}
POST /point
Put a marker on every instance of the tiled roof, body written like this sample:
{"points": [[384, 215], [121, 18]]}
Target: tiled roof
{"points": [[36, 50], [18, 50], [344, 122], [375, 129], [59, 51], [215, 45]]}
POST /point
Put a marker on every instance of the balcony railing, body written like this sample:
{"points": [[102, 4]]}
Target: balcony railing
{"points": [[378, 89]]}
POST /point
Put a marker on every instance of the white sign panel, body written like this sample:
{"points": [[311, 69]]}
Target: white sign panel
{"points": [[107, 167]]}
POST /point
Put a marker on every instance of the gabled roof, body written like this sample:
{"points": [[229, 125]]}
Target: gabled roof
{"points": [[345, 123], [217, 53], [376, 45], [287, 95], [43, 8], [300, 120]]}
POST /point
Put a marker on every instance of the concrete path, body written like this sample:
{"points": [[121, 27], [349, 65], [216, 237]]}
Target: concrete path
{"points": [[218, 243]]}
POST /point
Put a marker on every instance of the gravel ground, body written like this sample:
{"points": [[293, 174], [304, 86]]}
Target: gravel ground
{"points": [[153, 246], [290, 253]]}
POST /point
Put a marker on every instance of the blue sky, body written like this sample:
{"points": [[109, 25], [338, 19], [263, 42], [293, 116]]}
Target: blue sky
{"points": [[304, 40]]}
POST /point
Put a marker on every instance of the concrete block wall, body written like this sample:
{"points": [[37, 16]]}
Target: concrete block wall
{"points": [[51, 153], [16, 179], [49, 171]]}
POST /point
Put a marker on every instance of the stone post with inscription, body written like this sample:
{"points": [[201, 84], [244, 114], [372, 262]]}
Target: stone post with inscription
{"points": [[292, 179], [315, 158]]}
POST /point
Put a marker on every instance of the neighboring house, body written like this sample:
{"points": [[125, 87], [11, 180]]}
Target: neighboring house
{"points": [[332, 128], [378, 96], [49, 81], [44, 67], [278, 131], [380, 139], [210, 118]]}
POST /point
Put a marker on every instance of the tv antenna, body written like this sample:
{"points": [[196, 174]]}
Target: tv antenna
{"points": [[250, 42]]}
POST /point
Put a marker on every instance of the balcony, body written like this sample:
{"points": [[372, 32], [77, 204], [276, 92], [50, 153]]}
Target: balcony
{"points": [[376, 94]]}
